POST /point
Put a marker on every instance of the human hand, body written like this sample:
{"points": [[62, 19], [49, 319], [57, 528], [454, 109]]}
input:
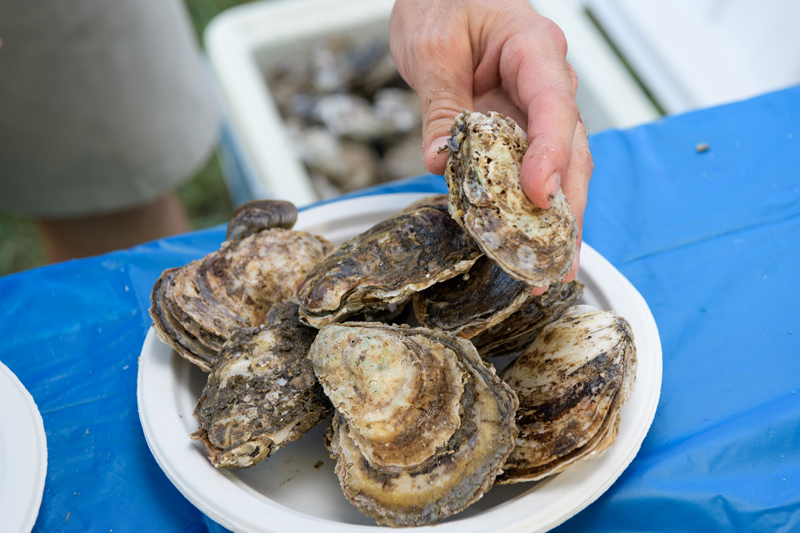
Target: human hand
{"points": [[486, 55]]}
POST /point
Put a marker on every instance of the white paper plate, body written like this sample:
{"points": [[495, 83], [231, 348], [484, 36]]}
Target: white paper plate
{"points": [[296, 489], [23, 455]]}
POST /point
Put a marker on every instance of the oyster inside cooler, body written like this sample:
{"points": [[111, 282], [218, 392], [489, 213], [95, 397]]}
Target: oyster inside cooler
{"points": [[352, 119]]}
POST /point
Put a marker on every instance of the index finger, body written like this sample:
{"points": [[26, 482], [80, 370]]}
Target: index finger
{"points": [[541, 83]]}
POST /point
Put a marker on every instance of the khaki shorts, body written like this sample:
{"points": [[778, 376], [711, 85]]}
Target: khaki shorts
{"points": [[104, 104]]}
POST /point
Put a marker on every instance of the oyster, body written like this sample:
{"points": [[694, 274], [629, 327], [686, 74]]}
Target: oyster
{"points": [[468, 304], [170, 330], [351, 117], [518, 330], [571, 383], [422, 425], [196, 308], [385, 264], [261, 393], [258, 215], [533, 245], [348, 164]]}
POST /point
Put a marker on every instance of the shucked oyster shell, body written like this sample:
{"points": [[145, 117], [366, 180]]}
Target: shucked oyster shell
{"points": [[533, 245], [472, 302], [571, 383], [385, 264], [518, 330], [422, 425], [261, 393], [196, 308]]}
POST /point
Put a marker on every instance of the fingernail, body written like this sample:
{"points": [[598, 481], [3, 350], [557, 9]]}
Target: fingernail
{"points": [[573, 270], [573, 273], [538, 291], [435, 147], [552, 185]]}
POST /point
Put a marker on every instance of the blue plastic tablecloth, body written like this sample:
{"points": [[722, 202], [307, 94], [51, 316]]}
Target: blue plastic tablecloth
{"points": [[711, 240]]}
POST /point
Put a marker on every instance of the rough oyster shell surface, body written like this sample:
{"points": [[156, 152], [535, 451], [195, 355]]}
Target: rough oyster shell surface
{"points": [[258, 215], [208, 300], [252, 274], [571, 383], [393, 259], [518, 330], [261, 393], [193, 303], [467, 304], [170, 330], [533, 245], [422, 425]]}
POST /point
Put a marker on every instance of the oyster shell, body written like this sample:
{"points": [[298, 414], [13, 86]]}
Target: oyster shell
{"points": [[518, 330], [422, 424], [533, 245], [468, 304], [394, 113], [348, 164], [390, 314], [385, 264], [258, 215], [196, 308], [169, 329], [261, 392], [571, 383]]}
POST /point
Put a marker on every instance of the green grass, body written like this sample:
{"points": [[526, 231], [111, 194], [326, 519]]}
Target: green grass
{"points": [[19, 244], [202, 11], [204, 197]]}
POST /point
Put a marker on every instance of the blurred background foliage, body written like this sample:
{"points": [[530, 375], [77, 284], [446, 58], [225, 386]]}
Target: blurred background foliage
{"points": [[204, 196]]}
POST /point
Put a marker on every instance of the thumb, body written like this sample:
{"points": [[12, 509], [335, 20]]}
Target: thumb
{"points": [[440, 106], [431, 47], [439, 69]]}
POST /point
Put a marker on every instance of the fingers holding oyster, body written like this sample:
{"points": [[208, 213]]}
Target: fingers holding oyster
{"points": [[510, 60]]}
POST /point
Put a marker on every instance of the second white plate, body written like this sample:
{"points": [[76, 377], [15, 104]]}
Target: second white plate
{"points": [[23, 454], [296, 490]]}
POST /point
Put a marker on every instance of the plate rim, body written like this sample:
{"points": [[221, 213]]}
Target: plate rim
{"points": [[515, 515], [29, 429]]}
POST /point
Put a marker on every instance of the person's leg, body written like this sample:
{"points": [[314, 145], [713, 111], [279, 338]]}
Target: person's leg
{"points": [[104, 108], [64, 239]]}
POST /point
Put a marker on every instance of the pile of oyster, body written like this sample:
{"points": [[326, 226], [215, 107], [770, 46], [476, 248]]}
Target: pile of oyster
{"points": [[352, 119], [390, 333]]}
